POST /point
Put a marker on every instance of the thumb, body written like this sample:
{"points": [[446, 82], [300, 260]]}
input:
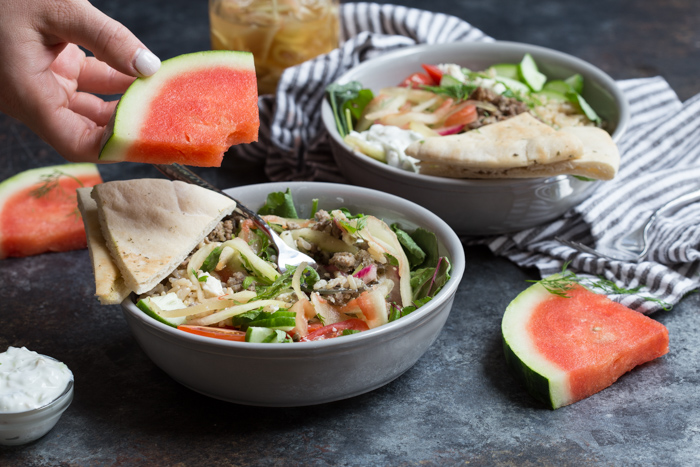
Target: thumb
{"points": [[77, 21]]}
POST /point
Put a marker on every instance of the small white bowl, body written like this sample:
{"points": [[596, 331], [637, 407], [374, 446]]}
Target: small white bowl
{"points": [[24, 427], [307, 373], [478, 207]]}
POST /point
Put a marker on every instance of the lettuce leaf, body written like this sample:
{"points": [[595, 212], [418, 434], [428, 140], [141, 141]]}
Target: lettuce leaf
{"points": [[279, 204], [414, 253], [347, 102], [427, 282]]}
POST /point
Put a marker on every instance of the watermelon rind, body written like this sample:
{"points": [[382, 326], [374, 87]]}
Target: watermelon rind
{"points": [[128, 118], [544, 380]]}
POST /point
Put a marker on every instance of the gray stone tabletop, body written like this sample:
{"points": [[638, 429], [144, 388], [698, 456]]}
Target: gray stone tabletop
{"points": [[458, 405]]}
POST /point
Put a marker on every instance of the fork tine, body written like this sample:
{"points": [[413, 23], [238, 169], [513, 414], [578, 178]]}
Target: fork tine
{"points": [[584, 248]]}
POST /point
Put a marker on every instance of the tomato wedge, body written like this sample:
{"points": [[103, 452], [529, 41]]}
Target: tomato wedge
{"points": [[463, 116], [416, 80], [216, 333], [335, 330], [434, 72]]}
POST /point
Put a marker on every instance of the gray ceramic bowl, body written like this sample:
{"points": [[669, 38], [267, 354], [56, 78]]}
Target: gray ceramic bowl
{"points": [[310, 372], [478, 207]]}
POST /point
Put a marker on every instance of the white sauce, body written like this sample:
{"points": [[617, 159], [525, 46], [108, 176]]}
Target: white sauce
{"points": [[394, 141], [29, 380]]}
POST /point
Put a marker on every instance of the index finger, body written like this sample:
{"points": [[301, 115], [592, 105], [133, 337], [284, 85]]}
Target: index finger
{"points": [[77, 21]]}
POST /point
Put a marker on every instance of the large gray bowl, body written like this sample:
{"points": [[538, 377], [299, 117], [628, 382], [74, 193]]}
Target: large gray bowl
{"points": [[310, 372], [478, 207]]}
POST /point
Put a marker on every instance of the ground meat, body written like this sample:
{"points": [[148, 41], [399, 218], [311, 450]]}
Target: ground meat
{"points": [[506, 107], [224, 230], [344, 261], [236, 281]]}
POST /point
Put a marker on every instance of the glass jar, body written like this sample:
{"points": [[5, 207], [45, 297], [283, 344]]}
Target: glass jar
{"points": [[279, 33]]}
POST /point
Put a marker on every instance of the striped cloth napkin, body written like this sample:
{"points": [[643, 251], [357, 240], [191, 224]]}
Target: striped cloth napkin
{"points": [[660, 161]]}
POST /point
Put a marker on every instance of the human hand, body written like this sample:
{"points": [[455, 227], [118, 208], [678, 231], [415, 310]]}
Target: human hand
{"points": [[46, 80]]}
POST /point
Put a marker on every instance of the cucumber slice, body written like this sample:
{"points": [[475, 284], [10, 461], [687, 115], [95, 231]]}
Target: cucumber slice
{"points": [[507, 70], [530, 75], [266, 336], [585, 107], [551, 95], [514, 85], [576, 82], [281, 323], [448, 80], [557, 85], [152, 306], [375, 151]]}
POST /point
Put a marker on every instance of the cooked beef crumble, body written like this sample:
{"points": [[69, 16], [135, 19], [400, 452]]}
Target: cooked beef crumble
{"points": [[224, 230], [506, 107]]}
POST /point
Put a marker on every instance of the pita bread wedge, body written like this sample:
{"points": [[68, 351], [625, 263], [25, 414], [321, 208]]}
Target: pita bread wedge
{"points": [[521, 141], [109, 286], [600, 160], [151, 225]]}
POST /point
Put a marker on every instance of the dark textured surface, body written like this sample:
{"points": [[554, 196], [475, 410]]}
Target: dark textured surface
{"points": [[457, 405]]}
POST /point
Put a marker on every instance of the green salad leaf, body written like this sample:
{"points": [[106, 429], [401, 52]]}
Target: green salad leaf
{"points": [[279, 204], [212, 260], [414, 253], [347, 102], [426, 282]]}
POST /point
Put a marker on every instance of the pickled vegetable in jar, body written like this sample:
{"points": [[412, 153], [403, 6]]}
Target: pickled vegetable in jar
{"points": [[279, 33]]}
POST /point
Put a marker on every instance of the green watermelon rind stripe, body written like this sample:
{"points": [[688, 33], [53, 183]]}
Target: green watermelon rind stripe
{"points": [[543, 379], [128, 117], [536, 384]]}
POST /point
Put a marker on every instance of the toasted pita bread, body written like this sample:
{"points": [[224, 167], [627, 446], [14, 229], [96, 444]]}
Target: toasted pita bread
{"points": [[109, 286], [151, 225], [521, 141], [600, 160]]}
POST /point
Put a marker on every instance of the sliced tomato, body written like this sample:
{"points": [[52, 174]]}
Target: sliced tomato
{"points": [[335, 330], [416, 80], [216, 333], [434, 72], [464, 116]]}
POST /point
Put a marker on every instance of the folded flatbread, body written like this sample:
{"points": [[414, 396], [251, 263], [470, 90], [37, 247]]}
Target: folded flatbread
{"points": [[520, 147], [109, 285], [151, 225]]}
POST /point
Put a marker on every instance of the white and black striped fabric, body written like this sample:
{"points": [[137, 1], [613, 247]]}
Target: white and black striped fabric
{"points": [[660, 160]]}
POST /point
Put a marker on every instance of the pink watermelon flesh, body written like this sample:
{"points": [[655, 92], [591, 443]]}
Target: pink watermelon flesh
{"points": [[189, 124], [31, 224], [593, 339]]}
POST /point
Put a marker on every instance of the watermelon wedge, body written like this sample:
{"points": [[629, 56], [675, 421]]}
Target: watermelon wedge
{"points": [[190, 112], [39, 210], [567, 349]]}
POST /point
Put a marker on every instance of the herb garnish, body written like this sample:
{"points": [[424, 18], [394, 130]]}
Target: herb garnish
{"points": [[561, 283], [458, 92], [49, 182]]}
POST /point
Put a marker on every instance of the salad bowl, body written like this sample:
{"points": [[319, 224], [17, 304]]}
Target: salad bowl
{"points": [[307, 373], [471, 206]]}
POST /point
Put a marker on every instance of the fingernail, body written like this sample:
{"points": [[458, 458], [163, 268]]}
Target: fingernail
{"points": [[145, 62]]}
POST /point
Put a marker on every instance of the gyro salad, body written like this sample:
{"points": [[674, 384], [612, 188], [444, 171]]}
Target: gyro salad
{"points": [[368, 274], [448, 99]]}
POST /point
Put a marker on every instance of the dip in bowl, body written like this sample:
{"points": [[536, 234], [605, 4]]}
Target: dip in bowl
{"points": [[35, 390], [306, 373], [478, 206]]}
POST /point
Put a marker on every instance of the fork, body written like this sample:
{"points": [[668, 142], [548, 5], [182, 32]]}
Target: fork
{"points": [[635, 245], [286, 255]]}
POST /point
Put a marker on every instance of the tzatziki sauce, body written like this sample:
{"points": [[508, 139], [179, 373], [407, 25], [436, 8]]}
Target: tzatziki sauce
{"points": [[394, 141], [29, 380]]}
